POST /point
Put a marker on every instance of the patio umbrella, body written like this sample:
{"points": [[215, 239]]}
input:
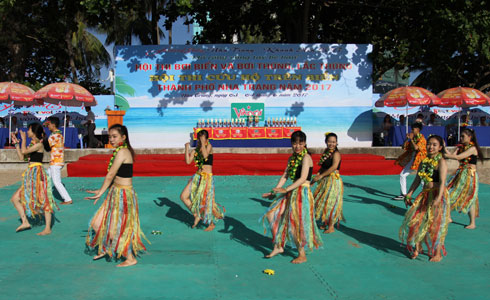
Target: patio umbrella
{"points": [[463, 97], [16, 94], [408, 96], [66, 94]]}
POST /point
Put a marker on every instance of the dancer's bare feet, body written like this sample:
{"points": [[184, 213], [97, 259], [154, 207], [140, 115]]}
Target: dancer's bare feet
{"points": [[436, 258], [299, 260], [23, 226], [450, 220], [210, 227], [99, 256], [471, 226], [418, 249], [330, 229], [128, 263], [323, 227], [275, 251], [46, 231], [196, 221]]}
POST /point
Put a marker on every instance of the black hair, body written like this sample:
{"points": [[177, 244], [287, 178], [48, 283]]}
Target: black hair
{"points": [[440, 140], [334, 135], [199, 134], [389, 118], [123, 130], [38, 130], [472, 135], [54, 120], [417, 125], [299, 136]]}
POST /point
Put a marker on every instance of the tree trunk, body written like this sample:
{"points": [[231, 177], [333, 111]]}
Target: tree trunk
{"points": [[305, 22], [71, 57], [155, 17], [17, 71]]}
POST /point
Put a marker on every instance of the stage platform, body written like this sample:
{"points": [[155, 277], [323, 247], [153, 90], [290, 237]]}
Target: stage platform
{"points": [[95, 165], [363, 259]]}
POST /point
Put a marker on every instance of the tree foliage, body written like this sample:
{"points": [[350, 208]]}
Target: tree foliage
{"points": [[448, 39]]}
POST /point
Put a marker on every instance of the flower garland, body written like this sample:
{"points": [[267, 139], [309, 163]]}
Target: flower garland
{"points": [[428, 167], [326, 155], [199, 158], [416, 138], [28, 157], [294, 161], [56, 131], [463, 148], [121, 146]]}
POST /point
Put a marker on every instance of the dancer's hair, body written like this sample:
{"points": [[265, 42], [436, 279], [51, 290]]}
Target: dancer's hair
{"points": [[299, 136], [38, 130], [417, 125], [471, 133], [54, 120], [199, 134], [440, 140], [123, 130], [334, 135]]}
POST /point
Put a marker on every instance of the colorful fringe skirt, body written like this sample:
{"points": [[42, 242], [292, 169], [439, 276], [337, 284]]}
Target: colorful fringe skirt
{"points": [[328, 199], [427, 222], [463, 190], [202, 198], [293, 218], [119, 231], [36, 192]]}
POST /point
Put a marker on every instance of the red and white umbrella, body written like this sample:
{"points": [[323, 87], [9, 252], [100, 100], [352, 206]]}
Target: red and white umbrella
{"points": [[16, 94], [66, 94], [408, 96], [463, 97]]}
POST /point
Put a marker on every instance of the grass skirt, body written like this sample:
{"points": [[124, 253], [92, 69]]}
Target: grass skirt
{"points": [[328, 199], [36, 192], [119, 232], [427, 222], [463, 190], [202, 198], [293, 218]]}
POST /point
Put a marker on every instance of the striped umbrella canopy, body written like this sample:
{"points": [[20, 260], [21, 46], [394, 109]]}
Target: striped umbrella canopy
{"points": [[66, 94]]}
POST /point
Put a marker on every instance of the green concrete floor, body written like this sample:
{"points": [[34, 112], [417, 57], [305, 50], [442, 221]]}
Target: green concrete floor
{"points": [[362, 260]]}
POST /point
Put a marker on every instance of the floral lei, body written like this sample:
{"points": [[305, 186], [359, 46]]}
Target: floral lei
{"points": [[294, 161], [199, 158], [115, 153], [30, 145], [463, 148], [326, 155], [428, 166]]}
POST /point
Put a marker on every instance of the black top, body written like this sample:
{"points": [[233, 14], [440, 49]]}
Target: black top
{"points": [[435, 176], [125, 171], [298, 173], [209, 161], [36, 157], [327, 163], [473, 159]]}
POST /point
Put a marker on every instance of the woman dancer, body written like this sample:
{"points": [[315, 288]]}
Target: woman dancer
{"points": [[428, 217], [291, 216], [198, 194], [463, 186], [116, 224], [329, 192], [34, 197]]}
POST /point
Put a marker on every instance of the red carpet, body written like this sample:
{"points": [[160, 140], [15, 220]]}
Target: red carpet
{"points": [[95, 165]]}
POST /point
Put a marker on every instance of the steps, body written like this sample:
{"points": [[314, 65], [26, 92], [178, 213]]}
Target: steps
{"points": [[95, 165]]}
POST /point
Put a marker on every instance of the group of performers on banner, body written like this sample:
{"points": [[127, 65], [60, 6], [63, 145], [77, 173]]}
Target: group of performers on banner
{"points": [[115, 229]]}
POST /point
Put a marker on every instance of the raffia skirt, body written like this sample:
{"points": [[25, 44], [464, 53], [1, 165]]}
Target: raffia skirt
{"points": [[202, 198], [463, 190], [328, 199], [36, 192]]}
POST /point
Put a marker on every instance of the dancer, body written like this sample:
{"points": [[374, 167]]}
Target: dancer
{"points": [[463, 186], [115, 227], [428, 217], [292, 216], [198, 194], [34, 197], [415, 151], [57, 145], [329, 192]]}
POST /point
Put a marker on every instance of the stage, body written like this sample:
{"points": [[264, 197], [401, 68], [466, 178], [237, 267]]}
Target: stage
{"points": [[363, 259]]}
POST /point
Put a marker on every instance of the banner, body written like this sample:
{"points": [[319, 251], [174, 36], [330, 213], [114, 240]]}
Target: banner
{"points": [[167, 90], [221, 133], [288, 131], [274, 132], [239, 132], [256, 132]]}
